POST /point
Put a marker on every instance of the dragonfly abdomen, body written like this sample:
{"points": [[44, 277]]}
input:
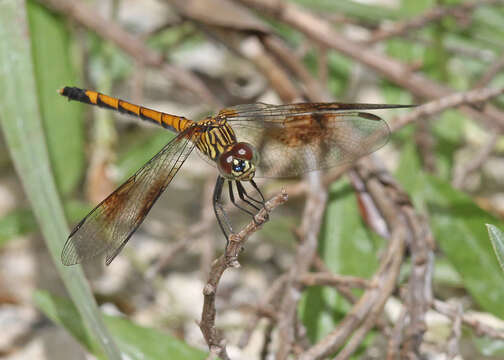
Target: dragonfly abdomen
{"points": [[170, 122]]}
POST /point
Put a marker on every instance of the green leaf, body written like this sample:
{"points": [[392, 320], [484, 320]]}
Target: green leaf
{"points": [[347, 247], [63, 124], [135, 342], [457, 224], [24, 134], [497, 239], [355, 9], [16, 223], [448, 130], [22, 221]]}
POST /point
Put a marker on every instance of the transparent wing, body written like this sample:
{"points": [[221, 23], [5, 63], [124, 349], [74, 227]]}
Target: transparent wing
{"points": [[108, 227], [297, 138]]}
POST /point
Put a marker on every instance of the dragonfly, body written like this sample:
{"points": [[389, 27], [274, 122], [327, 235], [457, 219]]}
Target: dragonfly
{"points": [[244, 142]]}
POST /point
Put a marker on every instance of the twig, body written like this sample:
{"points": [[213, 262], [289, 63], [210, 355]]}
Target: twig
{"points": [[229, 259], [435, 14], [419, 294], [267, 341], [467, 168], [368, 306], [272, 294], [306, 250], [364, 314], [313, 89], [456, 49], [480, 328], [328, 279], [344, 290], [456, 333], [493, 70], [434, 107], [396, 336], [253, 50], [114, 33], [322, 31], [425, 143]]}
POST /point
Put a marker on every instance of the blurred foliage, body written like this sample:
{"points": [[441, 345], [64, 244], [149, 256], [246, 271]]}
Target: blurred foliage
{"points": [[23, 129], [135, 342], [451, 51], [457, 223], [347, 247]]}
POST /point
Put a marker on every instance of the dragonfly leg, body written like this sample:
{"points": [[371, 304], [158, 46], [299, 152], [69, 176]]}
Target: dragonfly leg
{"points": [[220, 214], [243, 192], [263, 200], [240, 194]]}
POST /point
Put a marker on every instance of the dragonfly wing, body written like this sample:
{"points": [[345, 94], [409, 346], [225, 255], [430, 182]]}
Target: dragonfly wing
{"points": [[297, 138], [108, 227]]}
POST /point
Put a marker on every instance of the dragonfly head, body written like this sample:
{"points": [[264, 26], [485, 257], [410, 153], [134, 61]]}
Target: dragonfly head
{"points": [[238, 162]]}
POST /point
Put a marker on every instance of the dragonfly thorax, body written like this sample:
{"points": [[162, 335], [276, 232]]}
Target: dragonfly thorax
{"points": [[238, 162]]}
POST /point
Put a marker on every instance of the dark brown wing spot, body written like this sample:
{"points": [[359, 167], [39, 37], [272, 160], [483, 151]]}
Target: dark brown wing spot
{"points": [[305, 129]]}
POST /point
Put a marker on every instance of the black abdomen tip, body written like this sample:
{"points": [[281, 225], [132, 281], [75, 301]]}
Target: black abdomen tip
{"points": [[75, 93]]}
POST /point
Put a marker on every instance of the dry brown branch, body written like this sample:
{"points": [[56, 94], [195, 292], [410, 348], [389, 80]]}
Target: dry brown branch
{"points": [[114, 33], [425, 143], [432, 15], [313, 89], [305, 252], [268, 335], [212, 336], [467, 168], [235, 27], [368, 306], [271, 297], [419, 293], [366, 311], [321, 31], [396, 336], [493, 70], [342, 288], [328, 279], [368, 210], [480, 328], [253, 50], [471, 97], [421, 245], [459, 50], [456, 333]]}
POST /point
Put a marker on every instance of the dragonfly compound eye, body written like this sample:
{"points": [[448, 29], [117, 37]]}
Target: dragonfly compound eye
{"points": [[238, 163]]}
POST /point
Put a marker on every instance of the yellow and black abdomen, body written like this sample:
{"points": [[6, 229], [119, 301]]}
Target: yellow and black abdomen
{"points": [[170, 122]]}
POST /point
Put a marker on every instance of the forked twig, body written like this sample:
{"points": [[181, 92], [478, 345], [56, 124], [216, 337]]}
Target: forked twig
{"points": [[213, 337]]}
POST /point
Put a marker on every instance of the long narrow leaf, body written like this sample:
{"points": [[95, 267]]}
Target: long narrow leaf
{"points": [[21, 124], [497, 238], [136, 342], [63, 124]]}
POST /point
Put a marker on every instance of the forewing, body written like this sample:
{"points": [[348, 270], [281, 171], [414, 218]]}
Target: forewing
{"points": [[108, 227], [297, 138]]}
